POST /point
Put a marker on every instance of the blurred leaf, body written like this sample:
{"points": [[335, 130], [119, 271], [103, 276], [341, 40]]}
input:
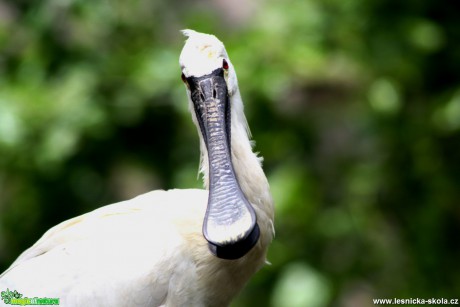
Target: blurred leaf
{"points": [[299, 286]]}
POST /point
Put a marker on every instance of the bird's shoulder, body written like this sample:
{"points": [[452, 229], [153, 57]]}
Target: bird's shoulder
{"points": [[155, 212], [140, 239]]}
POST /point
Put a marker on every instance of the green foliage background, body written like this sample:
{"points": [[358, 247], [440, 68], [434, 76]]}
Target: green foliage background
{"points": [[355, 106]]}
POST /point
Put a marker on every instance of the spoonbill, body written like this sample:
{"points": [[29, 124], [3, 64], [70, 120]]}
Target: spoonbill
{"points": [[189, 247]]}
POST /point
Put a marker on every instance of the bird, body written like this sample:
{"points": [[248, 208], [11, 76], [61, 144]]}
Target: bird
{"points": [[178, 247]]}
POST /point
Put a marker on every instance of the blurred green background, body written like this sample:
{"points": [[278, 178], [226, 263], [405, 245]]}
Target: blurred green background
{"points": [[355, 106]]}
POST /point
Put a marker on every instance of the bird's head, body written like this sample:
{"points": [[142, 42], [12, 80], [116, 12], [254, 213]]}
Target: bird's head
{"points": [[230, 222], [204, 54]]}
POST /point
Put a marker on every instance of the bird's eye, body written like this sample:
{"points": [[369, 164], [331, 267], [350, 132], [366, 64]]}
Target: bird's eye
{"points": [[224, 64], [184, 79]]}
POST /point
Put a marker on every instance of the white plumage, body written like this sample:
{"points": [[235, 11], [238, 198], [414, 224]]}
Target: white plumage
{"points": [[150, 250]]}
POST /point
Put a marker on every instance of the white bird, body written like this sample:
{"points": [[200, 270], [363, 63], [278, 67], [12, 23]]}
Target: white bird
{"points": [[168, 248]]}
